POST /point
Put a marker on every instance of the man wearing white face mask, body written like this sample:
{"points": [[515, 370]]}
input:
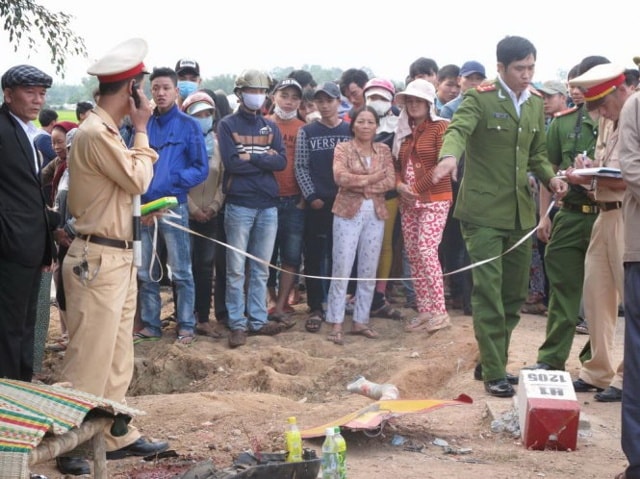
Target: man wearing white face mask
{"points": [[252, 150], [287, 96]]}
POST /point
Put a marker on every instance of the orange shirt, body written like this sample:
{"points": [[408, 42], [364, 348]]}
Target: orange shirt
{"points": [[286, 178], [422, 148]]}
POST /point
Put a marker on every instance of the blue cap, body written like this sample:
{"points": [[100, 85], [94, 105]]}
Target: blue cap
{"points": [[471, 67], [328, 87]]}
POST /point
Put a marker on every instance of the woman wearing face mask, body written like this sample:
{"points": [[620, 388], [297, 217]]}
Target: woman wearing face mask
{"points": [[379, 94], [205, 200]]}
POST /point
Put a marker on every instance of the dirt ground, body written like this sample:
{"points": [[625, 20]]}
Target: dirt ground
{"points": [[213, 402]]}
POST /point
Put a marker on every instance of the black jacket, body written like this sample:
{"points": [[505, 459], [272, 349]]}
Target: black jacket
{"points": [[25, 234]]}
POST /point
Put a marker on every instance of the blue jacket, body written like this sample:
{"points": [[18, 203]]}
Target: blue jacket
{"points": [[183, 162], [251, 148]]}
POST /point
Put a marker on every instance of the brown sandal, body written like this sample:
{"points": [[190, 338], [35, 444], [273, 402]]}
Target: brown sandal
{"points": [[336, 337], [367, 332], [314, 322], [388, 311]]}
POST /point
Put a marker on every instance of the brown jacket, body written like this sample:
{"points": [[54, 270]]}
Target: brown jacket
{"points": [[356, 180]]}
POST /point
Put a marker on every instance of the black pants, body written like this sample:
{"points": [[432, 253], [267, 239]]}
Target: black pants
{"points": [[203, 254], [19, 286], [318, 246]]}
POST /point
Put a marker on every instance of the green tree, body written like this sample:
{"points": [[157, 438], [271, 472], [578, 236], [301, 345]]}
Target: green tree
{"points": [[28, 24]]}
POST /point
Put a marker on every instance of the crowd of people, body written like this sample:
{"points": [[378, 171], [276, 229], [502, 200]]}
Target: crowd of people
{"points": [[329, 186]]}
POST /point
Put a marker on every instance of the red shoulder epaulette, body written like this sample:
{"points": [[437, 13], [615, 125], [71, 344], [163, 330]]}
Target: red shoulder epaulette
{"points": [[535, 92], [565, 112], [482, 88]]}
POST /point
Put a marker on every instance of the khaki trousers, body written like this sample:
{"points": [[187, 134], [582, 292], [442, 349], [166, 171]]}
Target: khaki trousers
{"points": [[100, 311], [603, 291]]}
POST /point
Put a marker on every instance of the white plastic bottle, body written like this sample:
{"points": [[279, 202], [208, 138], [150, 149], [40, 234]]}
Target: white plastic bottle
{"points": [[341, 446], [363, 386], [293, 440], [330, 456]]}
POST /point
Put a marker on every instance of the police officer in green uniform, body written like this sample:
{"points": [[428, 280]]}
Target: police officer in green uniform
{"points": [[500, 128], [572, 132]]}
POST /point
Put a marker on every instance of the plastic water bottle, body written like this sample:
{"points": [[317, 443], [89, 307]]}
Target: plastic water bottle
{"points": [[330, 456], [362, 385], [341, 446], [293, 440]]}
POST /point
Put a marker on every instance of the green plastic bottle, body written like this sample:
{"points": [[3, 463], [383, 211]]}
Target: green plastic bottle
{"points": [[342, 452], [293, 440]]}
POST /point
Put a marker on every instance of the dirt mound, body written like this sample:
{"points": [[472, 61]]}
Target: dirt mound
{"points": [[212, 402]]}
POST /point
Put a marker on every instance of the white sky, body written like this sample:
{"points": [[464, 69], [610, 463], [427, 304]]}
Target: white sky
{"points": [[227, 36]]}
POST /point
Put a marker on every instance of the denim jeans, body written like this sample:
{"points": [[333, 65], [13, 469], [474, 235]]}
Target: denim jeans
{"points": [[202, 259], [178, 246], [253, 231], [410, 292], [288, 247]]}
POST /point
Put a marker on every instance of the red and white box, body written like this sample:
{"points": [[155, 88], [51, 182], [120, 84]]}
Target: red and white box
{"points": [[548, 410]]}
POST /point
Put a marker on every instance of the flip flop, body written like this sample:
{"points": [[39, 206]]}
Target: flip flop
{"points": [[141, 337], [186, 338], [387, 311], [366, 332], [336, 337], [283, 319], [313, 323]]}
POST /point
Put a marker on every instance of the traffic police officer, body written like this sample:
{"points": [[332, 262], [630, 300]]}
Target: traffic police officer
{"points": [[98, 270], [606, 92]]}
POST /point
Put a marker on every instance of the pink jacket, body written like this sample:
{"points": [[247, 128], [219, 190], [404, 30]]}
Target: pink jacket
{"points": [[357, 181]]}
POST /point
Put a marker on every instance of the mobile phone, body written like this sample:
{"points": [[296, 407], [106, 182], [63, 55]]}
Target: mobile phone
{"points": [[134, 93]]}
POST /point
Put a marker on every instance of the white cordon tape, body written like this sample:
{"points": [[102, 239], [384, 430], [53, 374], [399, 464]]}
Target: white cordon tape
{"points": [[250, 256]]}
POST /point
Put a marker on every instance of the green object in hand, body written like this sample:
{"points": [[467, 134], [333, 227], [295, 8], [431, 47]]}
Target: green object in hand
{"points": [[160, 203]]}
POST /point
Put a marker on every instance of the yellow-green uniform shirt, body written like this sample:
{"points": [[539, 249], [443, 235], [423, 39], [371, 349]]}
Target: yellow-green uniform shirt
{"points": [[500, 147], [572, 132]]}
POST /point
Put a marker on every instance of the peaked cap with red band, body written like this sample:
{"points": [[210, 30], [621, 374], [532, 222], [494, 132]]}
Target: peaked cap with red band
{"points": [[122, 62], [599, 81]]}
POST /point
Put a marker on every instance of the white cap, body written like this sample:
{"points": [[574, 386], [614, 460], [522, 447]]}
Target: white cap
{"points": [[122, 62]]}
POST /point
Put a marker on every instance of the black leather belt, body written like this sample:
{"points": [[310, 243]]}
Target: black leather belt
{"points": [[584, 209], [113, 243], [593, 209], [609, 205]]}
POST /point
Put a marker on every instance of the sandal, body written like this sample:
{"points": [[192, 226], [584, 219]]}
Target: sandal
{"points": [[284, 319], [186, 338], [142, 336], [58, 344], [270, 328], [534, 308], [387, 311], [367, 332], [336, 337], [314, 322], [419, 323], [287, 309]]}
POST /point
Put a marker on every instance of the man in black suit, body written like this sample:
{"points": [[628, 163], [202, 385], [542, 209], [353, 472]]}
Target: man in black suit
{"points": [[26, 243]]}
